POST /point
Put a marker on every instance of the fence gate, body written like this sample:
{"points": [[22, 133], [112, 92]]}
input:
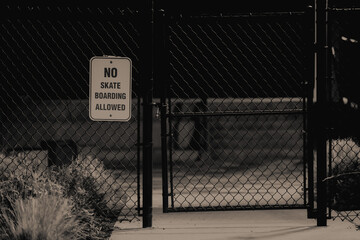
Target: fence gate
{"points": [[233, 111]]}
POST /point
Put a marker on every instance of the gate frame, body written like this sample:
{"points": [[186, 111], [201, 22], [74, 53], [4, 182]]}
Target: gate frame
{"points": [[165, 107]]}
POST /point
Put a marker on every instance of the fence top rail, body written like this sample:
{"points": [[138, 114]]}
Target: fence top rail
{"points": [[236, 113], [235, 16], [71, 3], [350, 9], [247, 14], [239, 100]]}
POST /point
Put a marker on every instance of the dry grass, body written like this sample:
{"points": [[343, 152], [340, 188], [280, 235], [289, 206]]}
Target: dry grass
{"points": [[95, 194], [43, 218]]}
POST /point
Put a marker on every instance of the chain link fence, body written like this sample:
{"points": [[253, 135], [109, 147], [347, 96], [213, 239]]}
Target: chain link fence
{"points": [[236, 111], [235, 106], [344, 150], [45, 53]]}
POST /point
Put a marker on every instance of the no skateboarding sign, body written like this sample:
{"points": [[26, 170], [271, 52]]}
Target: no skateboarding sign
{"points": [[110, 89]]}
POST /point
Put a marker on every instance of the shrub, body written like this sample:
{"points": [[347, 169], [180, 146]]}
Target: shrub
{"points": [[14, 186], [88, 204], [85, 183], [345, 182], [104, 181], [48, 217], [23, 162], [89, 184]]}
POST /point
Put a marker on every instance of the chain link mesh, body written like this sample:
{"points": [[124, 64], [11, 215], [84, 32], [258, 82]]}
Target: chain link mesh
{"points": [[44, 107], [344, 178], [236, 112]]}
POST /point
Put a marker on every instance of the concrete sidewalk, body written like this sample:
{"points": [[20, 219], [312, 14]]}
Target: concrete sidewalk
{"points": [[235, 225], [289, 224]]}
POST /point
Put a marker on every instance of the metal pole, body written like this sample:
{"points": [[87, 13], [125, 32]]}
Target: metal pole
{"points": [[321, 34], [161, 62], [148, 115], [165, 186], [308, 119]]}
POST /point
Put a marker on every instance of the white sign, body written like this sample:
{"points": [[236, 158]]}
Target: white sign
{"points": [[110, 89]]}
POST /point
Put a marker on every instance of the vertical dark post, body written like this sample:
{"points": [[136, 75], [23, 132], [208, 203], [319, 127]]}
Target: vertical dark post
{"points": [[170, 146], [139, 147], [161, 73], [321, 34], [308, 106], [165, 186], [148, 115]]}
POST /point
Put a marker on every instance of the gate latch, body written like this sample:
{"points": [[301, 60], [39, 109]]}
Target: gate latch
{"points": [[159, 107], [157, 114]]}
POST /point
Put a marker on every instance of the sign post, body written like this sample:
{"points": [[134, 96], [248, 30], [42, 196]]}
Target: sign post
{"points": [[110, 89]]}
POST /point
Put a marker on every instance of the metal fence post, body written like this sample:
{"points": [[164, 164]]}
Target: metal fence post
{"points": [[148, 116], [321, 31], [308, 119], [161, 73]]}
